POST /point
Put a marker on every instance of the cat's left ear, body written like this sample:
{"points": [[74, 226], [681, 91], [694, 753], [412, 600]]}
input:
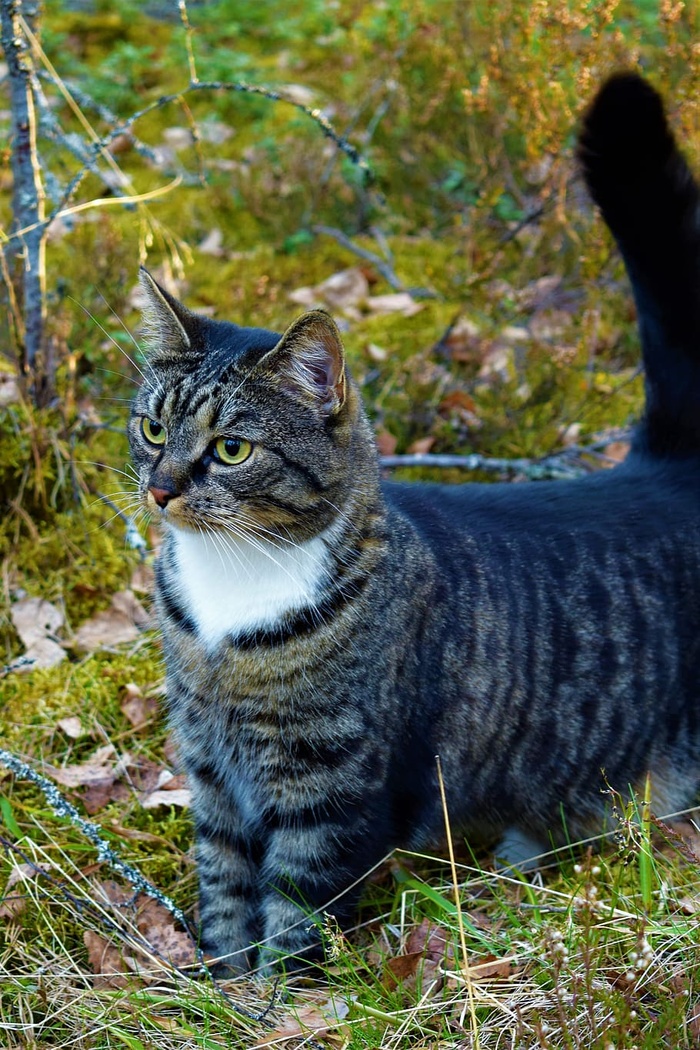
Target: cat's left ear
{"points": [[169, 325], [310, 360]]}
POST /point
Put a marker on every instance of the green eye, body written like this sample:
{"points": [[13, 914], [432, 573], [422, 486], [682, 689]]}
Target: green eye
{"points": [[232, 451], [153, 431]]}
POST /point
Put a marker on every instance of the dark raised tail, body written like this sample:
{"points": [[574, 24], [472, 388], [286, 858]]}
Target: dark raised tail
{"points": [[651, 202]]}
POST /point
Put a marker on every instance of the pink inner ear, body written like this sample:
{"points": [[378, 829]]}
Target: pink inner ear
{"points": [[321, 373]]}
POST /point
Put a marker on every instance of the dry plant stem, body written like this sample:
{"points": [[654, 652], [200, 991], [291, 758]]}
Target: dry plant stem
{"points": [[27, 191], [460, 922]]}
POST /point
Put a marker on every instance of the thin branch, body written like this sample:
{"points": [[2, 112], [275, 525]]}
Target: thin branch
{"points": [[27, 191], [93, 832], [568, 463], [250, 89], [379, 264]]}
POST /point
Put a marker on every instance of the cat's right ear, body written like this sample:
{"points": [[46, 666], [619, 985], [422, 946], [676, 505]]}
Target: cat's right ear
{"points": [[309, 362], [167, 323]]}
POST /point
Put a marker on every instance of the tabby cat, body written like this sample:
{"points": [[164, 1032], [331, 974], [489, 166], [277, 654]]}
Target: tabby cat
{"points": [[328, 634]]}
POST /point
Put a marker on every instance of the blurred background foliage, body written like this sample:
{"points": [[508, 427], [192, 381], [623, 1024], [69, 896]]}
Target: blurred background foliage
{"points": [[466, 116]]}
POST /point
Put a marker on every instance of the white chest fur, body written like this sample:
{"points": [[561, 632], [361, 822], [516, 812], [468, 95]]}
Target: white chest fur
{"points": [[231, 585]]}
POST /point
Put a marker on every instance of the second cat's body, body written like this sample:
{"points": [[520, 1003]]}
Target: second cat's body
{"points": [[327, 635]]}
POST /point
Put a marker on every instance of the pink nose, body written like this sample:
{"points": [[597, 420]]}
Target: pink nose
{"points": [[161, 496]]}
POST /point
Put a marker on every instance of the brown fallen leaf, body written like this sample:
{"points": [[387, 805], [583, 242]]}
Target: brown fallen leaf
{"points": [[180, 796], [318, 1020], [345, 291], [110, 966], [157, 926], [428, 952], [41, 654], [386, 442], [37, 622], [101, 769], [137, 708], [421, 446], [617, 451], [34, 619], [14, 903], [114, 626], [489, 966], [71, 726], [143, 578], [394, 303]]}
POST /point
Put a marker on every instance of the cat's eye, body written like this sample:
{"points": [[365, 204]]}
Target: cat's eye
{"points": [[232, 451], [153, 431]]}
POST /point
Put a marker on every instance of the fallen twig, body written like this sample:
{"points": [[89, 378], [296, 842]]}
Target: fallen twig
{"points": [[381, 265]]}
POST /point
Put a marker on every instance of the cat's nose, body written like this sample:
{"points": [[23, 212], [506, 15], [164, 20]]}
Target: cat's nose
{"points": [[162, 496]]}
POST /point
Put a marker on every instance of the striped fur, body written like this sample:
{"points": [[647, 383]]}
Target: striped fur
{"points": [[327, 634]]}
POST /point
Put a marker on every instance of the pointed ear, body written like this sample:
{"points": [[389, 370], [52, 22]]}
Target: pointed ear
{"points": [[310, 360], [166, 321]]}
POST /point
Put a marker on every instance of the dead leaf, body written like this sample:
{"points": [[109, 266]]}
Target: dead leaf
{"points": [[143, 579], [376, 353], [71, 726], [427, 953], [114, 626], [345, 291], [35, 619], [13, 904], [109, 965], [318, 1020], [163, 797], [403, 966], [213, 243], [137, 708], [100, 769], [421, 447], [394, 303], [42, 653], [617, 450], [490, 966], [459, 403], [157, 925], [386, 443], [9, 389]]}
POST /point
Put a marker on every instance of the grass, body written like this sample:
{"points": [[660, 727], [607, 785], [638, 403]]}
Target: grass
{"points": [[465, 113]]}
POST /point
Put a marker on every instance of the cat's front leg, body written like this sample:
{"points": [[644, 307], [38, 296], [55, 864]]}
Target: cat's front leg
{"points": [[228, 856], [311, 870]]}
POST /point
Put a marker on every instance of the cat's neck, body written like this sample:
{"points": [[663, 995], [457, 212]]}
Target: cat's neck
{"points": [[231, 585]]}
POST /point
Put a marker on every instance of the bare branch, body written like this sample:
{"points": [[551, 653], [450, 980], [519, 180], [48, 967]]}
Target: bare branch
{"points": [[27, 191], [380, 265]]}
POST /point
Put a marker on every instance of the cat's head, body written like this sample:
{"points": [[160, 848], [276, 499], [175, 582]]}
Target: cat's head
{"points": [[242, 429]]}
